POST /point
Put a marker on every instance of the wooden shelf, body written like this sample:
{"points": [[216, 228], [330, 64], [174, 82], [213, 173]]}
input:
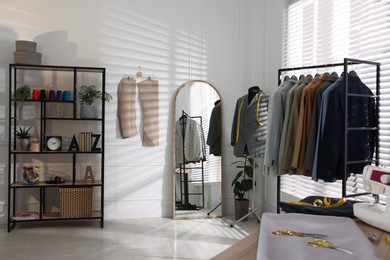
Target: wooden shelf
{"points": [[73, 119], [57, 216], [57, 68], [50, 101], [21, 184], [52, 152]]}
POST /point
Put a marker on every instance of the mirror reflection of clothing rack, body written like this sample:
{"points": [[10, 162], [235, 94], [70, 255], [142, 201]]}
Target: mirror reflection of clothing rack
{"points": [[187, 165]]}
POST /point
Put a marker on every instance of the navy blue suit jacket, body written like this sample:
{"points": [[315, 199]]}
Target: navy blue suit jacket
{"points": [[330, 146]]}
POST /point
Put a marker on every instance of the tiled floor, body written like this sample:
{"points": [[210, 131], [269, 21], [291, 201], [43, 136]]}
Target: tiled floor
{"points": [[132, 239]]}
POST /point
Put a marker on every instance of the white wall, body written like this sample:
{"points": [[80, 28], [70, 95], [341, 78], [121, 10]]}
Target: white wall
{"points": [[240, 42], [264, 41]]}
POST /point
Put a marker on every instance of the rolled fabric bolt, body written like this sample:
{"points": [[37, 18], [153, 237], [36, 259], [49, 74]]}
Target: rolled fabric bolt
{"points": [[52, 95], [35, 94], [67, 95], [59, 95], [43, 94]]}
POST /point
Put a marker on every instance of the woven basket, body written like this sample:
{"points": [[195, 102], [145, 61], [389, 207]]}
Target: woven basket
{"points": [[76, 202]]}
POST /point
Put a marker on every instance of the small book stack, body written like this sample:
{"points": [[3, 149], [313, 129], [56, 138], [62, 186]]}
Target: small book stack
{"points": [[85, 139]]}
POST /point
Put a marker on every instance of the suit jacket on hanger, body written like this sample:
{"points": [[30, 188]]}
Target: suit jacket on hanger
{"points": [[276, 110], [189, 140], [312, 138], [214, 135], [285, 163], [283, 135], [329, 163], [304, 121]]}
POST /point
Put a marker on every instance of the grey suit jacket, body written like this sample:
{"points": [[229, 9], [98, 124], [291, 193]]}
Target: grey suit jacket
{"points": [[249, 128], [285, 163], [276, 109], [283, 135], [190, 141]]}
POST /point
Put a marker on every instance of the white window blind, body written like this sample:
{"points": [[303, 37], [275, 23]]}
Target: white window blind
{"points": [[323, 32]]}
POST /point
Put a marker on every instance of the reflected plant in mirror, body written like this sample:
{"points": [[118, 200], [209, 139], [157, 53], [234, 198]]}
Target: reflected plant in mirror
{"points": [[197, 178]]}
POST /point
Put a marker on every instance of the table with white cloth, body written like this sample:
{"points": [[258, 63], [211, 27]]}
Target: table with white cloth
{"points": [[341, 231]]}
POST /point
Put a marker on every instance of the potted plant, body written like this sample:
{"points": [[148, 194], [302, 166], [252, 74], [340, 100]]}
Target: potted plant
{"points": [[88, 95], [242, 183], [21, 94], [23, 136]]}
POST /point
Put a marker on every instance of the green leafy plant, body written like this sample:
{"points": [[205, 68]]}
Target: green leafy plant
{"points": [[21, 94], [23, 133], [88, 95], [243, 182]]}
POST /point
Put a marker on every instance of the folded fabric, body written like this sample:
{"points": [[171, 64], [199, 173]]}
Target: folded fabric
{"points": [[343, 210]]}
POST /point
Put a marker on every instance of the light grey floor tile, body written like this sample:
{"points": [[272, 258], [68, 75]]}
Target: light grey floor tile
{"points": [[131, 239]]}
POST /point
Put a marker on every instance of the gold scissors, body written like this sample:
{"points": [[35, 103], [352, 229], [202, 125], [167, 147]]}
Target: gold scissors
{"points": [[326, 244], [287, 232]]}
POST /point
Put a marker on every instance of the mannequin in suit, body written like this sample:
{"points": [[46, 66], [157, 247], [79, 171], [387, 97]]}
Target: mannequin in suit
{"points": [[248, 128]]}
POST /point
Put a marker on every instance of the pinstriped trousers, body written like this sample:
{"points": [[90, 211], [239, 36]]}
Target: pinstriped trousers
{"points": [[148, 95]]}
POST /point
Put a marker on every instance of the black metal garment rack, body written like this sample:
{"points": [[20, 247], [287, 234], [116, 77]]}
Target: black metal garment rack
{"points": [[184, 181], [345, 64]]}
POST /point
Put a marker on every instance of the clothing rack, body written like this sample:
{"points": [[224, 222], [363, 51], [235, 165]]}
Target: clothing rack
{"points": [[345, 64], [184, 171]]}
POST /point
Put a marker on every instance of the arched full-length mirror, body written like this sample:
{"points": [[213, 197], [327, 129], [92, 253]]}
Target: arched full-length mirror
{"points": [[197, 176]]}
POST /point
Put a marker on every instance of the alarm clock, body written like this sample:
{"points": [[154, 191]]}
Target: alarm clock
{"points": [[53, 143]]}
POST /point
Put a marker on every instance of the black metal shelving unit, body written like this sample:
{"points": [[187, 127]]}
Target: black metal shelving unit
{"points": [[20, 74], [347, 62]]}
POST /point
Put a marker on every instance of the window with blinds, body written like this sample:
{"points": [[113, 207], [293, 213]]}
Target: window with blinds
{"points": [[323, 32], [202, 94]]}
